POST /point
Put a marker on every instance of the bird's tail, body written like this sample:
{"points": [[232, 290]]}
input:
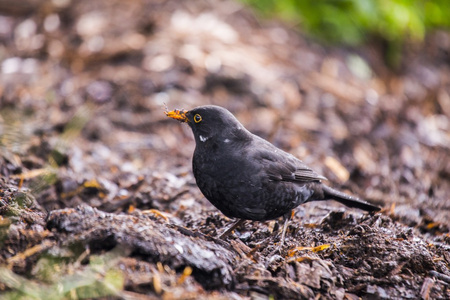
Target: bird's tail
{"points": [[347, 200]]}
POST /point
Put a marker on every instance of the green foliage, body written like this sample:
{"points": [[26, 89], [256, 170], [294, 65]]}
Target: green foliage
{"points": [[352, 22], [59, 278]]}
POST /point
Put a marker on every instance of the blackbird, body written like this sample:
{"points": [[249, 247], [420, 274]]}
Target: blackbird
{"points": [[245, 176]]}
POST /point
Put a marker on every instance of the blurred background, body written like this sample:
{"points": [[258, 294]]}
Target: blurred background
{"points": [[359, 90]]}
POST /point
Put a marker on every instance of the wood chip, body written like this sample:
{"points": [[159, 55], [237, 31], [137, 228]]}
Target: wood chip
{"points": [[337, 168]]}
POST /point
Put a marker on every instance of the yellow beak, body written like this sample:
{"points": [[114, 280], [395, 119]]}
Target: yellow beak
{"points": [[177, 114]]}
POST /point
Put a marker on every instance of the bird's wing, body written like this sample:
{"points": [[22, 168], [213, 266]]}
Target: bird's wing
{"points": [[282, 166], [306, 174]]}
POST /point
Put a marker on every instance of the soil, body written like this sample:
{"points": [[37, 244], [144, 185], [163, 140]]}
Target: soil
{"points": [[97, 196]]}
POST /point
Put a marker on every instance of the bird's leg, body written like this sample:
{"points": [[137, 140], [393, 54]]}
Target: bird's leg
{"points": [[231, 228], [286, 217]]}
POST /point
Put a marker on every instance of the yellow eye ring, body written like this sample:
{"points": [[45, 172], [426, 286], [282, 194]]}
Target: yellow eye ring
{"points": [[197, 118]]}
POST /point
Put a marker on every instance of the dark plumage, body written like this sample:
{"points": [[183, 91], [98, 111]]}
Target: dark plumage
{"points": [[247, 177]]}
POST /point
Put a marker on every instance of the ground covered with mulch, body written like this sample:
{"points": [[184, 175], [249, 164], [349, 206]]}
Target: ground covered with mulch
{"points": [[97, 196]]}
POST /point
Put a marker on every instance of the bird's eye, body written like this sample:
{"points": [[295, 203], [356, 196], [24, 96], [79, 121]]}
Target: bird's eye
{"points": [[197, 118]]}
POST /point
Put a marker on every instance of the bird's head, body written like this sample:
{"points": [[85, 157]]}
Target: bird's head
{"points": [[210, 122]]}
